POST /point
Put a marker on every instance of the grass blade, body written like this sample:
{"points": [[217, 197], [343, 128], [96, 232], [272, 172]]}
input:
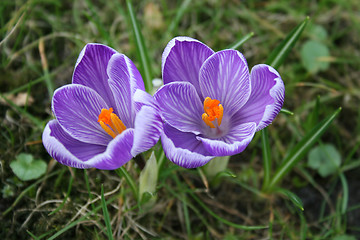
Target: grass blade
{"points": [[179, 13], [207, 209], [106, 214], [44, 63], [94, 18], [88, 185], [354, 164], [141, 49], [66, 196], [292, 197], [286, 111], [35, 120], [275, 59], [36, 81], [22, 194], [303, 226], [242, 41], [187, 219], [345, 198], [243, 227], [266, 157], [75, 223], [123, 173], [195, 209], [279, 54], [301, 149], [313, 117], [41, 236], [32, 235]]}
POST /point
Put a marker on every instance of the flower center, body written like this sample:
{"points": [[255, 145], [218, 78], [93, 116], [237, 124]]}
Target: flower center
{"points": [[212, 110], [110, 122]]}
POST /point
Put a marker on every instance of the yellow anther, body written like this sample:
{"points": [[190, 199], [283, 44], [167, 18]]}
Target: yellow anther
{"points": [[212, 110], [110, 122], [107, 129], [117, 123], [205, 118]]}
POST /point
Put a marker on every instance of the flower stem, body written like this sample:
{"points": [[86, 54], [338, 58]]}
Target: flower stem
{"points": [[266, 157], [139, 159], [215, 166], [122, 172]]}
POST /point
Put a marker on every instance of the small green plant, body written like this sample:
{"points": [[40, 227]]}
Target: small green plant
{"points": [[314, 53], [325, 159], [7, 191], [297, 178], [148, 180], [27, 168], [344, 237]]}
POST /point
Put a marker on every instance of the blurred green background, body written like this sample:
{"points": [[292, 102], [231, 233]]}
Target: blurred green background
{"points": [[39, 43]]}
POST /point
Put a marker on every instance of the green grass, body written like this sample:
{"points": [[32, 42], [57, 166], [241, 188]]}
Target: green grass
{"points": [[39, 44]]}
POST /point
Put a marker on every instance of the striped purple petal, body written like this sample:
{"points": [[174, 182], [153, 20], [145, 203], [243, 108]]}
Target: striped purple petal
{"points": [[225, 76], [118, 152], [233, 143], [266, 99], [74, 153], [148, 126], [90, 70], [77, 108], [182, 60], [183, 148], [124, 80], [67, 150], [102, 79], [180, 106]]}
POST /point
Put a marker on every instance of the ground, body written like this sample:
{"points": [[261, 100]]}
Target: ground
{"points": [[40, 41]]}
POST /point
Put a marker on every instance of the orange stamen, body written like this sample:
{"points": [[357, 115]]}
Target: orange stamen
{"points": [[110, 122], [107, 129], [118, 124], [105, 115], [213, 110]]}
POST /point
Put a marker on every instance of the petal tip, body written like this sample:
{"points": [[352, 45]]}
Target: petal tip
{"points": [[269, 92], [173, 42]]}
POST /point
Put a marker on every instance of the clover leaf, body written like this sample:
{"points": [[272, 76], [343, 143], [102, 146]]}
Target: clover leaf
{"points": [[318, 32], [314, 56], [26, 168], [344, 237], [325, 159]]}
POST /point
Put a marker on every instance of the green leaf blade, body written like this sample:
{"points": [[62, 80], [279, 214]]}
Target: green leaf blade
{"points": [[345, 199], [148, 179], [122, 172], [279, 54], [266, 156], [292, 197], [235, 225], [106, 214], [301, 149], [141, 49], [241, 41]]}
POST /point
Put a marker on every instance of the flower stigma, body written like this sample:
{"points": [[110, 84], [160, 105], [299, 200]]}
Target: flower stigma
{"points": [[212, 110], [110, 122]]}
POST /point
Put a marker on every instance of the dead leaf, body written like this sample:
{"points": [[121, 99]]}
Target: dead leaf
{"points": [[153, 17], [19, 99]]}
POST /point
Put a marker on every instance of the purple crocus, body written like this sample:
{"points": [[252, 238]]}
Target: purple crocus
{"points": [[210, 103], [98, 124]]}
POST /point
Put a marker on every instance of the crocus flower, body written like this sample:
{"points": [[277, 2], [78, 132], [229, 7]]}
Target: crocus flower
{"points": [[210, 103], [98, 123]]}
